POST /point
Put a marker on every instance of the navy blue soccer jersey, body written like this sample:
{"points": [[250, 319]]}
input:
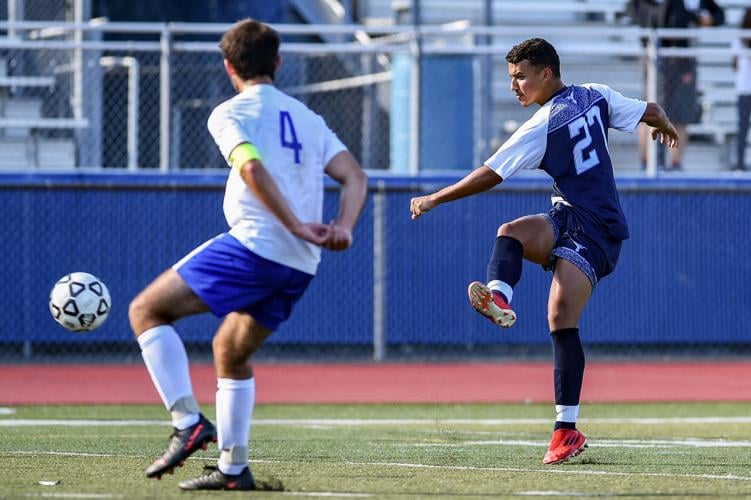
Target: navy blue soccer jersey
{"points": [[568, 138]]}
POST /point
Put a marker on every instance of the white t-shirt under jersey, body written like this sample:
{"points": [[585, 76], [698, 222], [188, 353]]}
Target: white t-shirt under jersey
{"points": [[295, 145]]}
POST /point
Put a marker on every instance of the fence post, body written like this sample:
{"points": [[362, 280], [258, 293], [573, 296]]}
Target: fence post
{"points": [[164, 99], [379, 272], [415, 106], [651, 96]]}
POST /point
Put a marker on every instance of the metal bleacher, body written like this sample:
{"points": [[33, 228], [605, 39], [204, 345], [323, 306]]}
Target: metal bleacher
{"points": [[715, 132], [23, 142]]}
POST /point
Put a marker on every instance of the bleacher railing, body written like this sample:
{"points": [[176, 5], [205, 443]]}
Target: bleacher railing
{"points": [[136, 96]]}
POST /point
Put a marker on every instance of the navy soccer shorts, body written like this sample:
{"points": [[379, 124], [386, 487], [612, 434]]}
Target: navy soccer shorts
{"points": [[228, 277], [581, 242]]}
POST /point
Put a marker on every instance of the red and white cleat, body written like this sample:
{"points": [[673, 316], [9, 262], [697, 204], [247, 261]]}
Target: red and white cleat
{"points": [[491, 305], [565, 444]]}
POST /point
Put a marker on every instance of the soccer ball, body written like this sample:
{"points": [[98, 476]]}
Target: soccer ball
{"points": [[80, 302]]}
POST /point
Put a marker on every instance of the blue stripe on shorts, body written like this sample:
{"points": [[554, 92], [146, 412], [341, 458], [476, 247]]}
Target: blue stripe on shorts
{"points": [[228, 277]]}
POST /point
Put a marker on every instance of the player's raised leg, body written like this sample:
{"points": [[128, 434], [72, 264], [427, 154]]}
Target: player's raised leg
{"points": [[529, 237], [569, 293], [151, 314]]}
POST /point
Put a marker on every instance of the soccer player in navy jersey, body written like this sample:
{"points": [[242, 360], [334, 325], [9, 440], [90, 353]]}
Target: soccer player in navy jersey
{"points": [[579, 239], [277, 151]]}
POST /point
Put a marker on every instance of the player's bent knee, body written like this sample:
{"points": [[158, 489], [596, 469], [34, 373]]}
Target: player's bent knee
{"points": [[142, 316], [136, 315], [506, 229]]}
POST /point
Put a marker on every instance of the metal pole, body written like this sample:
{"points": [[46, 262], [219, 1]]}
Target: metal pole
{"points": [[651, 91], [164, 100], [133, 67], [133, 91], [379, 272], [486, 113], [415, 83], [78, 63], [15, 13], [369, 107]]}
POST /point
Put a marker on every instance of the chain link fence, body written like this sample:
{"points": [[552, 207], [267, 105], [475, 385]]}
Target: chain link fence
{"points": [[122, 98], [400, 292], [119, 96]]}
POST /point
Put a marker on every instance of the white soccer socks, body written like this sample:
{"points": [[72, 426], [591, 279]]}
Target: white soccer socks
{"points": [[167, 362], [234, 411]]}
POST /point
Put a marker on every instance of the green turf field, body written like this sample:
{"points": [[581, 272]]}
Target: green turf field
{"points": [[392, 451]]}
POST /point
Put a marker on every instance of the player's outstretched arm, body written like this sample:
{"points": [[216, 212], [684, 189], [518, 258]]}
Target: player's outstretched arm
{"points": [[662, 129], [260, 182], [344, 169], [479, 180]]}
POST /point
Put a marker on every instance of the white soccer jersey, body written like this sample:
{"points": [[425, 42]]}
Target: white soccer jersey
{"points": [[295, 145]]}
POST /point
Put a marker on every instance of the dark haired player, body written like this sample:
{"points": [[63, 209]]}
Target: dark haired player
{"points": [[579, 239], [278, 151]]}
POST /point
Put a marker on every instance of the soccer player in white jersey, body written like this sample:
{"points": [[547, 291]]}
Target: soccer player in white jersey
{"points": [[278, 151], [579, 239]]}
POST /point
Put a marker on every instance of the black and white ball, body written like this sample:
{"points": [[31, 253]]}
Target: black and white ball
{"points": [[80, 302]]}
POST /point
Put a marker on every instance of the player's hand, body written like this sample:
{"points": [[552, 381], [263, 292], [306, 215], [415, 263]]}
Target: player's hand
{"points": [[313, 232], [667, 134], [421, 205], [339, 238]]}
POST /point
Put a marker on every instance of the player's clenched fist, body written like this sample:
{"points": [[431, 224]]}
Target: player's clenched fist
{"points": [[421, 205]]}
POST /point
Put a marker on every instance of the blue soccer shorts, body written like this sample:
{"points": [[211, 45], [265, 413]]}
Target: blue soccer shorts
{"points": [[581, 242], [228, 277]]}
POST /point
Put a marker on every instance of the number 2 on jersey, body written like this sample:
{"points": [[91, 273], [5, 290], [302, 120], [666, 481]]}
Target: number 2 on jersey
{"points": [[288, 130], [584, 123]]}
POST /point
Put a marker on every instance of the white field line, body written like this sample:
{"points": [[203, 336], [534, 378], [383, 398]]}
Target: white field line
{"points": [[29, 422], [555, 470], [335, 422], [550, 470], [112, 455], [330, 494], [549, 493], [7, 411], [73, 495], [604, 443]]}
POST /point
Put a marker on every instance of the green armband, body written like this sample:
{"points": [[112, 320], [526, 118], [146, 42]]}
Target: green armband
{"points": [[242, 154]]}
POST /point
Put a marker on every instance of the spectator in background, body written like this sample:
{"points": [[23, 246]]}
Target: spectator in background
{"points": [[742, 66], [677, 75]]}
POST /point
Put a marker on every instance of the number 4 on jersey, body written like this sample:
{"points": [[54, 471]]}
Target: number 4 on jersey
{"points": [[285, 123]]}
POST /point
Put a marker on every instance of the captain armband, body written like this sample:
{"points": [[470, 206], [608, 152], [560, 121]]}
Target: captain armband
{"points": [[242, 154]]}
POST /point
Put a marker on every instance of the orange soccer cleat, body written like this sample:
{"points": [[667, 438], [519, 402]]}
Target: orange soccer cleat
{"points": [[491, 305], [565, 444]]}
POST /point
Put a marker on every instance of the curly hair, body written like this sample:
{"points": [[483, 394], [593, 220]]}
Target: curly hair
{"points": [[540, 54]]}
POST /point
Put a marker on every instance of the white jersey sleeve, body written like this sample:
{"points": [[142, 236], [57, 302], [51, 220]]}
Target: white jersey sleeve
{"points": [[525, 148], [625, 113], [228, 132]]}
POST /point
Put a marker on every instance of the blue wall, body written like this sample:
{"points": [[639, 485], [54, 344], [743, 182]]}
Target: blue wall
{"points": [[683, 276]]}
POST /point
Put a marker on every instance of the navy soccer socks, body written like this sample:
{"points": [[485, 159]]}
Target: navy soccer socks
{"points": [[505, 266], [568, 373]]}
